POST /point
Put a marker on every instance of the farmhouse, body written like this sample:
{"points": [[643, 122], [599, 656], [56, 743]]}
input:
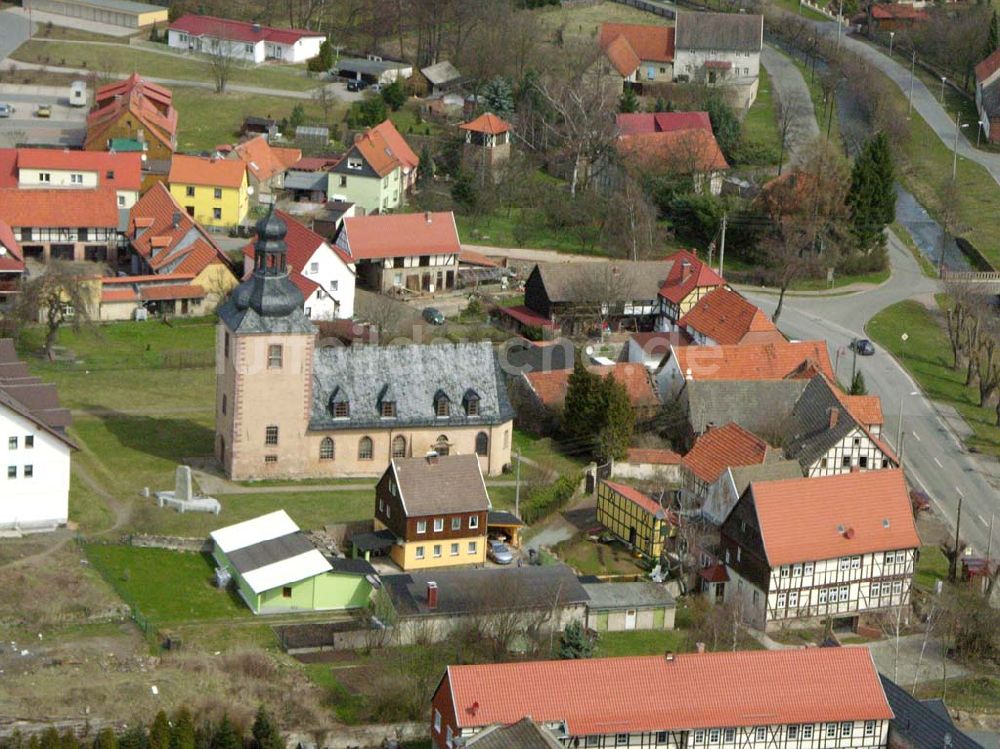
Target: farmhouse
{"points": [[633, 516], [133, 111], [242, 40], [51, 168], [212, 191], [276, 568], [52, 223], [720, 49], [11, 266], [837, 547], [639, 53]]}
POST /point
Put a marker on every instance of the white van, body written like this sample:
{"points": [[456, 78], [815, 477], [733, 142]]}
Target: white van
{"points": [[78, 94]]}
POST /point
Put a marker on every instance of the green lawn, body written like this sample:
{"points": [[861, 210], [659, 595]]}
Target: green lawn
{"points": [[796, 7], [644, 642], [595, 558], [760, 126], [580, 23], [166, 586], [819, 106], [547, 453], [980, 694], [933, 566], [122, 59], [927, 356], [518, 230]]}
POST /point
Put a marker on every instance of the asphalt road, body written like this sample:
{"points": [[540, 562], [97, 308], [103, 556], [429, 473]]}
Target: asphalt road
{"points": [[13, 33], [933, 457], [66, 126]]}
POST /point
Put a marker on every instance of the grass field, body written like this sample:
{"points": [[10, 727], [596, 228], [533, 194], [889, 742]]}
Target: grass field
{"points": [[646, 642], [581, 23], [796, 7], [932, 566], [980, 694], [167, 586], [761, 124], [118, 58], [595, 558], [927, 356]]}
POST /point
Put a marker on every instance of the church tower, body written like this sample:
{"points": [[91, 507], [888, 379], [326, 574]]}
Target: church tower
{"points": [[264, 350]]}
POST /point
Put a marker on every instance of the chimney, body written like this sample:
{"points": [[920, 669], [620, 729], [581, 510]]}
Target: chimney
{"points": [[256, 28], [849, 534], [834, 417], [669, 656], [432, 596], [685, 270], [427, 216], [177, 219], [358, 137], [699, 647]]}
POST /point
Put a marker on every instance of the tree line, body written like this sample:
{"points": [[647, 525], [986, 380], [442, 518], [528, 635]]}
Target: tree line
{"points": [[974, 334]]}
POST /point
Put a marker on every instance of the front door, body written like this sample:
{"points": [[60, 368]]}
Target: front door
{"points": [[630, 616], [631, 535]]}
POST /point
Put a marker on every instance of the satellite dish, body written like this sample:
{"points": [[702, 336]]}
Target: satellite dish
{"points": [[590, 350], [250, 191], [3, 250]]}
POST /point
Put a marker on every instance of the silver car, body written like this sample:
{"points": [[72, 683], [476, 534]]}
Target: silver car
{"points": [[500, 553], [6, 110]]}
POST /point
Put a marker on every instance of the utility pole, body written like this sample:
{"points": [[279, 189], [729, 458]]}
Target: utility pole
{"points": [[722, 243], [899, 430], [989, 541], [840, 22], [954, 161], [517, 485], [953, 570], [913, 65]]}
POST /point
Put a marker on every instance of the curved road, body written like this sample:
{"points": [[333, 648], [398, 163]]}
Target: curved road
{"points": [[792, 91]]}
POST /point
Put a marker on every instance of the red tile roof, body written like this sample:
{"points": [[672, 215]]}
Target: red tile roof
{"points": [[242, 31], [397, 144], [834, 516], [622, 56], [11, 259], [373, 147], [171, 291], [471, 257], [691, 691], [652, 43], [55, 208], [110, 296], [988, 67], [8, 167], [486, 123], [727, 318], [754, 361], [526, 316], [636, 497], [686, 274], [722, 447], [317, 163], [400, 235], [551, 386], [867, 409], [662, 122], [198, 170], [129, 280], [672, 152], [897, 11], [263, 160], [150, 104], [653, 456], [125, 168]]}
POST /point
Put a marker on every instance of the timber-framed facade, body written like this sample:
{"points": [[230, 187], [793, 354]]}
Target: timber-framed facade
{"points": [[633, 517]]}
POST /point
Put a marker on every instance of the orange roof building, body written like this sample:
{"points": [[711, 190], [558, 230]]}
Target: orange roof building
{"points": [[637, 51], [133, 109], [549, 388], [839, 546], [724, 317], [376, 172], [265, 164], [215, 192], [636, 518], [691, 152], [720, 448], [487, 142], [640, 696], [688, 281]]}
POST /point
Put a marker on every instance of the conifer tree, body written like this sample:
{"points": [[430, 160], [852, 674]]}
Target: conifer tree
{"points": [[574, 643], [225, 735], [582, 406], [182, 732], [265, 732], [993, 38], [159, 732], [106, 739], [629, 102], [872, 194], [616, 419]]}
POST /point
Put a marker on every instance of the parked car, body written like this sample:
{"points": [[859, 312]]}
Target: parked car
{"points": [[500, 553], [920, 500], [862, 346], [377, 88], [433, 316], [356, 85], [43, 110], [6, 110]]}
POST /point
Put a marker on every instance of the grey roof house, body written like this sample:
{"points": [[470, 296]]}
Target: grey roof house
{"points": [[618, 607], [922, 724], [441, 77], [759, 406], [525, 734]]}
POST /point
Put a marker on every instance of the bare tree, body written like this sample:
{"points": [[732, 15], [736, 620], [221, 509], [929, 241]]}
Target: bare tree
{"points": [[599, 291], [631, 225], [222, 57], [58, 297], [787, 111], [387, 315], [326, 100]]}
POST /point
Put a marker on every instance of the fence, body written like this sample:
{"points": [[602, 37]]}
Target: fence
{"points": [[648, 7], [112, 579]]}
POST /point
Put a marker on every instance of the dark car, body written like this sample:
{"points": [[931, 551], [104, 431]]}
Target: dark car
{"points": [[863, 347], [355, 85], [920, 500], [433, 316]]}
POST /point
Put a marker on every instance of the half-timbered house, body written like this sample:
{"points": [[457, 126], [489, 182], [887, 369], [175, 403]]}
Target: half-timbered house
{"points": [[836, 547], [817, 698], [634, 517]]}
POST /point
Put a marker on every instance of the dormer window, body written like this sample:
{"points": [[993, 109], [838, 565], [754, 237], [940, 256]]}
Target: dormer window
{"points": [[355, 164], [340, 404], [388, 409], [442, 405], [471, 403], [387, 403]]}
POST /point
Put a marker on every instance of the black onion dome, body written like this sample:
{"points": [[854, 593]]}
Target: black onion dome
{"points": [[269, 291]]}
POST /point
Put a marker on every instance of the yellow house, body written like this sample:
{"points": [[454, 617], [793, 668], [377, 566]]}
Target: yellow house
{"points": [[211, 191], [634, 517], [436, 509], [687, 282]]}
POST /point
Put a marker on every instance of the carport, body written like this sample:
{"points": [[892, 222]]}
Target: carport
{"points": [[506, 524], [371, 544]]}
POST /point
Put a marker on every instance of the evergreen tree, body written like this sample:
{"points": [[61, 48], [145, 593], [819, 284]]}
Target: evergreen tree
{"points": [[463, 191], [858, 386], [872, 194], [498, 97], [629, 102], [265, 732], [582, 418], [618, 421], [182, 731], [159, 732], [425, 172], [725, 124], [574, 642], [154, 33], [993, 38], [68, 740], [50, 738], [134, 738], [394, 95], [33, 742], [225, 735], [106, 739], [371, 111], [297, 117], [660, 105]]}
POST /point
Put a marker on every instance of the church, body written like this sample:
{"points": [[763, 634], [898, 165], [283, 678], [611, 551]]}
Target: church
{"points": [[288, 409]]}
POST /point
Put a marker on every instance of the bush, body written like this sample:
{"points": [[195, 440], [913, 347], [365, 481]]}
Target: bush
{"points": [[754, 153], [548, 498]]}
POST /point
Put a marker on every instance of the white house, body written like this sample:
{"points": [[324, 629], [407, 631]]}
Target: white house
{"points": [[323, 272], [719, 49], [34, 483], [49, 168], [251, 42], [835, 547]]}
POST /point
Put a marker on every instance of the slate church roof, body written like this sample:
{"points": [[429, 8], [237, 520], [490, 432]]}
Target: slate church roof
{"points": [[413, 377], [920, 722]]}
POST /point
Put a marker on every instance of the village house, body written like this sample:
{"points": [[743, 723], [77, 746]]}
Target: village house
{"points": [[688, 280], [487, 144], [628, 606], [11, 267], [266, 165], [892, 17], [635, 518], [376, 172], [415, 252], [716, 450], [639, 53], [838, 547], [287, 409], [241, 40], [276, 568], [748, 361], [720, 49], [669, 711], [212, 191], [133, 111], [759, 406], [988, 96], [53, 168], [649, 347], [723, 318], [525, 734], [723, 494], [37, 450], [441, 77], [58, 224], [436, 509]]}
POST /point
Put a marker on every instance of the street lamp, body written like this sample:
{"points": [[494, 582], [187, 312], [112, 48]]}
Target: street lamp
{"points": [[891, 35], [979, 131], [899, 428], [913, 64], [943, 79], [954, 161]]}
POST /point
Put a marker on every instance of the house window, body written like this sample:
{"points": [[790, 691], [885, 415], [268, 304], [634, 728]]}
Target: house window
{"points": [[334, 285], [845, 564], [399, 446], [448, 737], [44, 177], [421, 526], [621, 739], [863, 461], [189, 191], [343, 180], [441, 446], [822, 463], [729, 735], [593, 741], [189, 209], [388, 409], [12, 443], [890, 558], [793, 732], [869, 728], [796, 570], [784, 571], [897, 586], [442, 408], [885, 462], [218, 193], [793, 599], [366, 450], [714, 735], [846, 728], [780, 602], [856, 563], [225, 346], [472, 405], [807, 732], [473, 522], [286, 592], [454, 550], [354, 163], [437, 551], [845, 462], [270, 459], [418, 553], [857, 441], [29, 471], [341, 410], [761, 733], [217, 213], [831, 730], [876, 589], [482, 444], [456, 524], [326, 449], [438, 525], [822, 595], [844, 593], [314, 267], [699, 737], [275, 353], [473, 547], [807, 568], [437, 721], [756, 597], [271, 435], [76, 179], [381, 505]]}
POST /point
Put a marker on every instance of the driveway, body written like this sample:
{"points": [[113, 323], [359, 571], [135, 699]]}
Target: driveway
{"points": [[933, 456], [66, 126], [13, 32], [792, 91]]}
